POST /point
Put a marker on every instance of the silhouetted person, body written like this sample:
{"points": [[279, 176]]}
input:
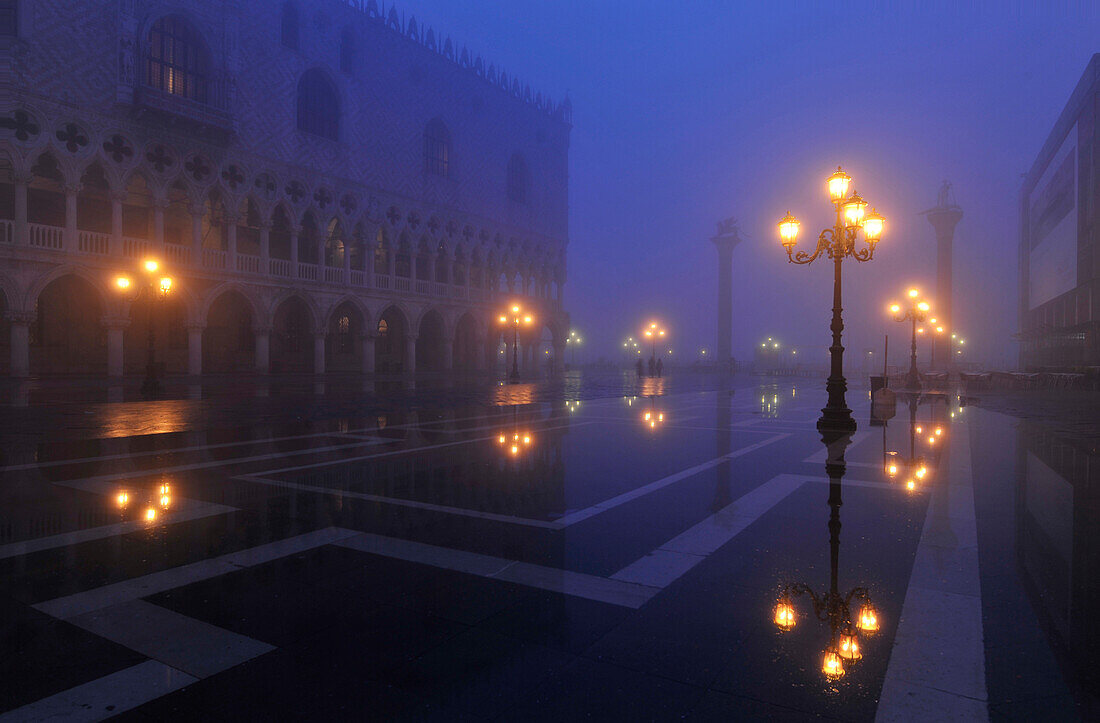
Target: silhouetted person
{"points": [[652, 367], [660, 367], [641, 369]]}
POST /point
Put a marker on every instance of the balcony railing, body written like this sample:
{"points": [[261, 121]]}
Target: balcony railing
{"points": [[47, 237], [307, 271], [248, 264], [213, 258], [280, 267], [92, 243]]}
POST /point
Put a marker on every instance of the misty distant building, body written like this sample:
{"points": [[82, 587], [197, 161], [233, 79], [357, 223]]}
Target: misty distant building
{"points": [[1059, 263], [331, 188]]}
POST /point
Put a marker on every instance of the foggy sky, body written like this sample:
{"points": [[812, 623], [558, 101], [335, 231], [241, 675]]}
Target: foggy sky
{"points": [[693, 111]]}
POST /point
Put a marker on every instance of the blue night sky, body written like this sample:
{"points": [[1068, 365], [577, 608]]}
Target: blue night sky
{"points": [[689, 112]]}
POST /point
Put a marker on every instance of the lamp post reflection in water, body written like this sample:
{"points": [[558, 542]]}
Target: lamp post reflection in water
{"points": [[832, 606], [159, 500], [516, 440], [653, 417]]}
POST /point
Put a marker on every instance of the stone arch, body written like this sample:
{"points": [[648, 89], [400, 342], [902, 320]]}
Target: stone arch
{"points": [[255, 308], [347, 322], [169, 318], [93, 205], [309, 239], [391, 330], [228, 341], [250, 219], [281, 235], [431, 342], [294, 322], [467, 350], [67, 336], [46, 193], [337, 243]]}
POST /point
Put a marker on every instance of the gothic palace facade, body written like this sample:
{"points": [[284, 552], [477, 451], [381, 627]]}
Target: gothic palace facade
{"points": [[331, 187]]}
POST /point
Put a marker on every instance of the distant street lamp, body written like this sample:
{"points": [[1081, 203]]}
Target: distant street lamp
{"points": [[156, 288], [914, 313], [515, 318], [654, 332], [573, 341], [838, 243]]}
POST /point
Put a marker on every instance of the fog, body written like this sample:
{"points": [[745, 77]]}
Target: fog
{"points": [[687, 113]]}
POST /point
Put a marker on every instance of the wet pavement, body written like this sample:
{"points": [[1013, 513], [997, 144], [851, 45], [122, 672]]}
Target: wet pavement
{"points": [[586, 547]]}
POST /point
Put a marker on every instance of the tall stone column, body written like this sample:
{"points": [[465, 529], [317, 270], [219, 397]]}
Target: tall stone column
{"points": [[319, 352], [295, 232], [725, 240], [197, 210], [262, 336], [448, 355], [20, 343], [194, 349], [944, 217], [117, 197], [265, 248], [115, 330], [368, 353], [409, 362], [72, 191], [231, 242], [22, 181]]}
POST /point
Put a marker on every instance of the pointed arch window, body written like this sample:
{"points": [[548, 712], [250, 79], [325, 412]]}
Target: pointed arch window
{"points": [[518, 179], [177, 61], [437, 148], [288, 26], [9, 18], [318, 105]]}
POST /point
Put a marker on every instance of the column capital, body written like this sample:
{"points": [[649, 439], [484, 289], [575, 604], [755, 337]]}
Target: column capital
{"points": [[160, 203], [195, 326], [118, 196], [72, 189], [232, 219], [115, 322], [23, 318], [22, 177], [262, 329], [196, 209]]}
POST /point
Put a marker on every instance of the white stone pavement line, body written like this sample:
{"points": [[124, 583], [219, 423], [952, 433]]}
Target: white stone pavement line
{"points": [[98, 598], [182, 650], [353, 433], [663, 566], [185, 511], [567, 520], [592, 587], [274, 455], [573, 518], [397, 501], [937, 664], [107, 696]]}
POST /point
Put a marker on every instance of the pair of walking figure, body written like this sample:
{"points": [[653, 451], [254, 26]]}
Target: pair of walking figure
{"points": [[656, 368]]}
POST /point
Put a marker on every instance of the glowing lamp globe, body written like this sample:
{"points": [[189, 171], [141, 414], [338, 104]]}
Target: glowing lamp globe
{"points": [[838, 185], [122, 283], [832, 666], [867, 622], [923, 306], [873, 226], [854, 209], [788, 230], [785, 617], [151, 266], [166, 284], [913, 293], [848, 646], [895, 309]]}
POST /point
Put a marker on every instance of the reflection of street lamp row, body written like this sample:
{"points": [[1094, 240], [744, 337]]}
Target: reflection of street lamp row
{"points": [[515, 441], [573, 341], [913, 314], [838, 243], [156, 289], [162, 499], [834, 609]]}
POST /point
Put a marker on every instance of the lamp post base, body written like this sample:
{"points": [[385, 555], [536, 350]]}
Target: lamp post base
{"points": [[912, 380], [150, 387]]}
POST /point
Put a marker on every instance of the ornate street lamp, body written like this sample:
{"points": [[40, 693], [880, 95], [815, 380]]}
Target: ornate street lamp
{"points": [[573, 341], [654, 332], [515, 318], [914, 313], [838, 243], [156, 288]]}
